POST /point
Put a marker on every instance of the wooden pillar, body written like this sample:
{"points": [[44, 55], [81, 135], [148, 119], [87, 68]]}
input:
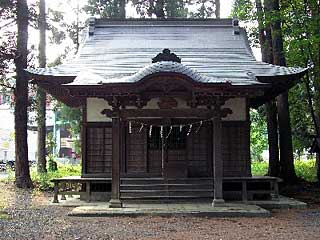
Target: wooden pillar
{"points": [[56, 192], [115, 201], [217, 161], [84, 140]]}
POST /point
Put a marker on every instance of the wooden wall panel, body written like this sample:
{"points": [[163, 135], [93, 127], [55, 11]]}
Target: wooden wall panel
{"points": [[235, 148], [98, 149], [136, 151], [140, 160], [199, 153]]}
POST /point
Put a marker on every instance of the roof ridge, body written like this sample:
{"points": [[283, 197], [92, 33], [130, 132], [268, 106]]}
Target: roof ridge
{"points": [[169, 21]]}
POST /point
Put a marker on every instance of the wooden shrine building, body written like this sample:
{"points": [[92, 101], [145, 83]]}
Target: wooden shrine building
{"points": [[166, 102]]}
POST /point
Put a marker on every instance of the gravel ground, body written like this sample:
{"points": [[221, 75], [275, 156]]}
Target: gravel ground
{"points": [[30, 217]]}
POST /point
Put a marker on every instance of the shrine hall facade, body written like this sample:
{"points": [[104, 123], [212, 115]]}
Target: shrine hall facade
{"points": [[165, 100]]}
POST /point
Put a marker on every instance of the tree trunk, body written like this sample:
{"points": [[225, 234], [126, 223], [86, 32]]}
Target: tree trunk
{"points": [[286, 151], [22, 171], [159, 9], [122, 9], [41, 95], [271, 109], [217, 10], [272, 125]]}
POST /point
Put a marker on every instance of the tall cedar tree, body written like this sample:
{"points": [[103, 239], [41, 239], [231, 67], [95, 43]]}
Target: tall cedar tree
{"points": [[265, 40], [122, 9], [217, 10], [315, 13], [107, 8], [287, 171], [41, 94], [22, 172]]}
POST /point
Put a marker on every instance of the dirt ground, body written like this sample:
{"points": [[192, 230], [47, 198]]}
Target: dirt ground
{"points": [[31, 217]]}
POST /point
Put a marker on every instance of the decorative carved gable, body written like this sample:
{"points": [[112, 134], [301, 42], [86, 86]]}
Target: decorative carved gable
{"points": [[166, 55], [167, 103]]}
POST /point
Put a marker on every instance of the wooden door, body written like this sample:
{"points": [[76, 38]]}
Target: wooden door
{"points": [[155, 153], [175, 163], [199, 148], [136, 152], [167, 152]]}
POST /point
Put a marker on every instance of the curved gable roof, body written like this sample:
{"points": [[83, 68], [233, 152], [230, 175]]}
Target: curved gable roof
{"points": [[121, 51]]}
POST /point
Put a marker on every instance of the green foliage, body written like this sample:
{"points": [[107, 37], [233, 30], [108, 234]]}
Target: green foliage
{"points": [[301, 34], [103, 8], [258, 134], [176, 9], [42, 181], [305, 170], [3, 215], [52, 164], [50, 143], [259, 168], [301, 122], [70, 118], [205, 9], [244, 10]]}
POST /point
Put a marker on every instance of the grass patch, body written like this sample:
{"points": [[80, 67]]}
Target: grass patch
{"points": [[4, 216], [304, 169]]}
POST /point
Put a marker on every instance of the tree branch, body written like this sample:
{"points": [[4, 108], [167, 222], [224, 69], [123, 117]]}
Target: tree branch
{"points": [[7, 24], [7, 86]]}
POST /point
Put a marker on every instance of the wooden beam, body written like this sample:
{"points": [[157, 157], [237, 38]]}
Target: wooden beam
{"points": [[115, 201], [165, 113]]}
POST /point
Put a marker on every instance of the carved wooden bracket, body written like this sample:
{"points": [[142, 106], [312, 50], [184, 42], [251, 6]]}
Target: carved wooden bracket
{"points": [[110, 113], [217, 104], [206, 99], [121, 101], [225, 112]]}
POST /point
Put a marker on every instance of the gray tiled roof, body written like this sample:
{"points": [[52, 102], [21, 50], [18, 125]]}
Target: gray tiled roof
{"points": [[121, 51]]}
